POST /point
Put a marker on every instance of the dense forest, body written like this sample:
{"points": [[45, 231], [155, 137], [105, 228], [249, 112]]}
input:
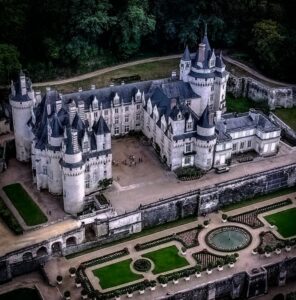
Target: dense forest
{"points": [[52, 38]]}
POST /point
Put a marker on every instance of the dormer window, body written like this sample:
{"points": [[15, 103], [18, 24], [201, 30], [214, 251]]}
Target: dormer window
{"points": [[189, 125], [179, 116], [188, 102]]}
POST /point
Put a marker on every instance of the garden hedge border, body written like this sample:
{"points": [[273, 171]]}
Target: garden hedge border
{"points": [[258, 211], [169, 238]]}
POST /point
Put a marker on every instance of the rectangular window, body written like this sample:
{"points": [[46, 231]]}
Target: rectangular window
{"points": [[104, 146], [189, 125], [126, 128], [188, 102], [242, 145], [234, 147], [138, 106], [187, 147], [137, 117], [116, 110], [116, 130], [126, 119], [249, 144], [116, 121], [187, 160], [126, 108]]}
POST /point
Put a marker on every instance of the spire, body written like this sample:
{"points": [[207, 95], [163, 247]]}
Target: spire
{"points": [[186, 54], [206, 29], [204, 120]]}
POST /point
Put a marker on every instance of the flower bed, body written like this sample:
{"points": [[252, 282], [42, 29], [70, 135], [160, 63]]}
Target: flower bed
{"points": [[250, 218], [189, 173], [142, 265], [269, 239], [188, 238]]}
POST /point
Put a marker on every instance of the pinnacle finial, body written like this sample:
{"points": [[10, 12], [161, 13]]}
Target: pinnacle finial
{"points": [[206, 28]]}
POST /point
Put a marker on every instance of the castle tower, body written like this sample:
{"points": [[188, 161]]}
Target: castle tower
{"points": [[220, 84], [21, 100], [73, 174], [54, 153], [205, 142], [185, 65]]}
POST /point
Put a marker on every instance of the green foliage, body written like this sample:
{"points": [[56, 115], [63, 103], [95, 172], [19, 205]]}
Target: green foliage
{"points": [[27, 208], [9, 61], [57, 37], [9, 218], [268, 43]]}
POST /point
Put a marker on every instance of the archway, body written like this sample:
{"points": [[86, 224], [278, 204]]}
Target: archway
{"points": [[42, 251], [71, 241], [27, 256], [56, 248], [89, 232]]}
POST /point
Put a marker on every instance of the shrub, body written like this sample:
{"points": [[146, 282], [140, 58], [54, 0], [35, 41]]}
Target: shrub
{"points": [[152, 283], [83, 292], [142, 265], [59, 278], [224, 216], [67, 294], [142, 287], [198, 268], [200, 226], [220, 262], [210, 265], [206, 222], [260, 250], [163, 279], [72, 270], [267, 249]]}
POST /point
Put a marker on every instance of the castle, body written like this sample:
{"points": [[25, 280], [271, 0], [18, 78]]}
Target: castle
{"points": [[68, 137]]}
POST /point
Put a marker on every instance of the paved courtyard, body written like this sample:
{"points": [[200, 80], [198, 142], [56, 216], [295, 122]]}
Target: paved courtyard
{"points": [[149, 181]]}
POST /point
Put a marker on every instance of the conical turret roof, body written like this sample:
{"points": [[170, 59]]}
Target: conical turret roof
{"points": [[186, 54]]}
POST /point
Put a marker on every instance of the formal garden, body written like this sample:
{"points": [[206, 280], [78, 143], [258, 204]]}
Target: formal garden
{"points": [[25, 205]]}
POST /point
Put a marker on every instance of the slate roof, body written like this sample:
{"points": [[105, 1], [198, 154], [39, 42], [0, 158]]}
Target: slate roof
{"points": [[204, 119], [18, 91], [236, 122], [101, 127], [186, 55]]}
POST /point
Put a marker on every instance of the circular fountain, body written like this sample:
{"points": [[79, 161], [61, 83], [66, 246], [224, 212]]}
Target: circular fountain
{"points": [[228, 238]]}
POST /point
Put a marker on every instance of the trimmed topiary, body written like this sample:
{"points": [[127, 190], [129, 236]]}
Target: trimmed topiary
{"points": [[142, 265]]}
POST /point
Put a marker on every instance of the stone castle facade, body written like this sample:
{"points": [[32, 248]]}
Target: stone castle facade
{"points": [[68, 137]]}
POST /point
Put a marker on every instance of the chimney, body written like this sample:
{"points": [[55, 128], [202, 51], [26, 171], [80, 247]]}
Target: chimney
{"points": [[48, 88], [218, 115], [122, 82], [174, 75], [80, 90], [23, 84], [92, 87]]}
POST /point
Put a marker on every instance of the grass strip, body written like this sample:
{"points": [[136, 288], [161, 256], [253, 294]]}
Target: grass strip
{"points": [[27, 208]]}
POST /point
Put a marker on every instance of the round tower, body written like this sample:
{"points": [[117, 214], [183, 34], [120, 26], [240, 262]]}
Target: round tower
{"points": [[205, 142], [21, 100], [73, 169], [54, 153]]}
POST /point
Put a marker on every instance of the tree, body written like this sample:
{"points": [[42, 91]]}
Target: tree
{"points": [[268, 43], [9, 61], [133, 24]]}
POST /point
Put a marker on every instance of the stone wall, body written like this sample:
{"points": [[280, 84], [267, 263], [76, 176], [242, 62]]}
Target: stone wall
{"points": [[243, 285], [258, 91], [192, 203]]}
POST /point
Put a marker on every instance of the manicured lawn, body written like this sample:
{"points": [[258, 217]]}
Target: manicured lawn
{"points": [[27, 208], [285, 222], [288, 116], [259, 199], [166, 259], [116, 274], [23, 293]]}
